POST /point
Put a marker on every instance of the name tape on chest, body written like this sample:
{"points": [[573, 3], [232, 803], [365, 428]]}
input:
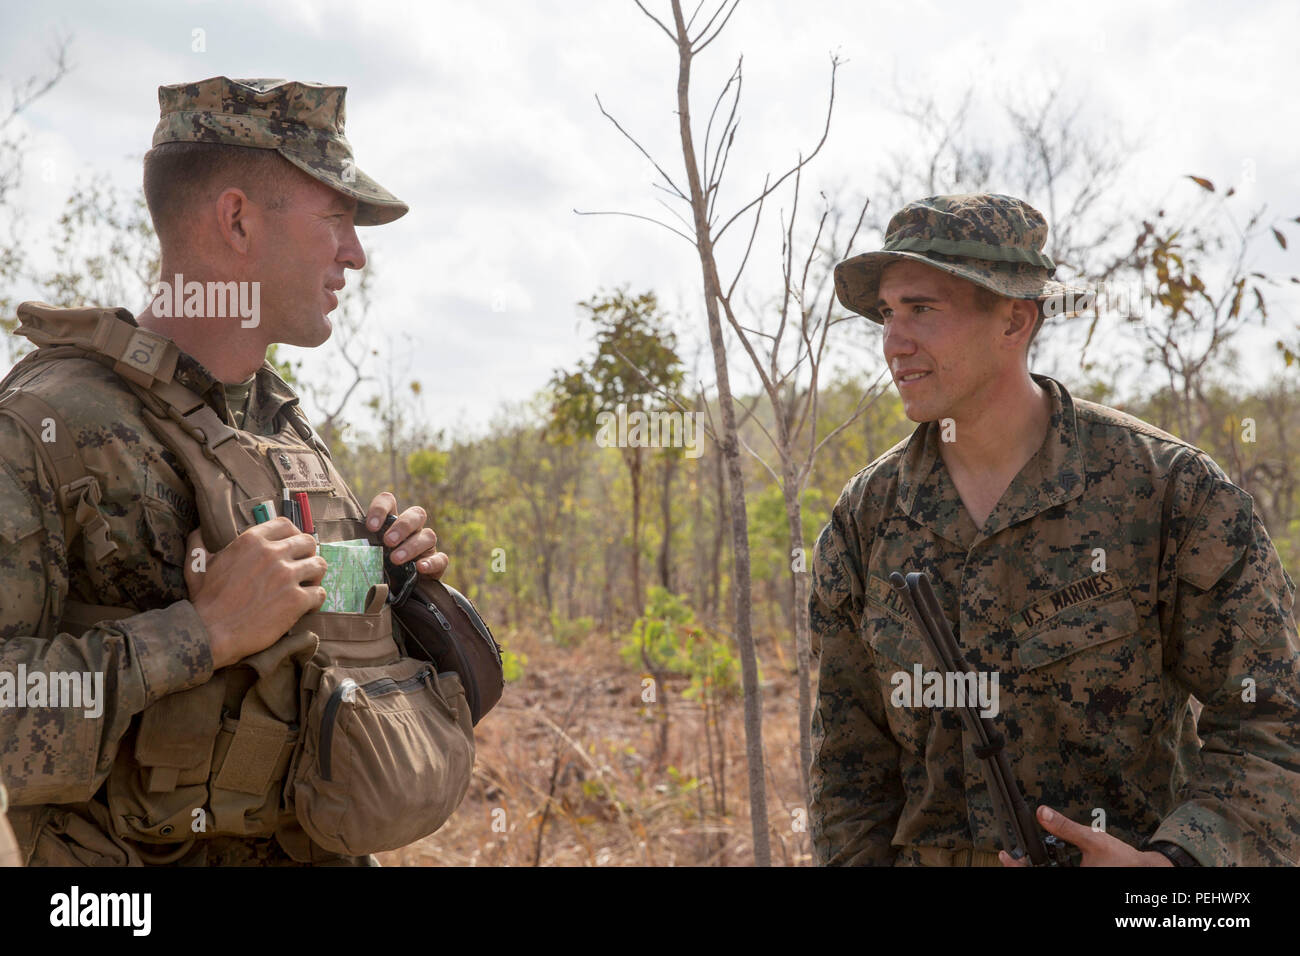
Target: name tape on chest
{"points": [[1084, 589], [882, 594], [300, 469], [175, 500]]}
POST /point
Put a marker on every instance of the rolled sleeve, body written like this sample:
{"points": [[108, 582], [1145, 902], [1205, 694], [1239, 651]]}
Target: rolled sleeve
{"points": [[173, 648]]}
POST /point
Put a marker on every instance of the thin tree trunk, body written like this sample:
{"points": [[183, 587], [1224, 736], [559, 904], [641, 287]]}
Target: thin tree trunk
{"points": [[699, 546], [570, 566], [802, 632], [546, 581], [661, 699], [666, 509], [634, 467], [719, 536], [607, 611], [741, 584]]}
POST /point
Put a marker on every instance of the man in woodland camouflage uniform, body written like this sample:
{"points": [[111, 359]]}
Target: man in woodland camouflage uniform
{"points": [[251, 182], [1106, 571]]}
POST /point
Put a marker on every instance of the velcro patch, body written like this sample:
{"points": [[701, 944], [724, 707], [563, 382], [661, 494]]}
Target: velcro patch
{"points": [[300, 469], [145, 351]]}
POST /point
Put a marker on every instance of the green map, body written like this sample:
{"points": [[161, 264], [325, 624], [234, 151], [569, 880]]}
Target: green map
{"points": [[354, 567]]}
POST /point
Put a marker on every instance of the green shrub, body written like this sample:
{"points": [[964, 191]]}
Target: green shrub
{"points": [[569, 631], [513, 665], [670, 639]]}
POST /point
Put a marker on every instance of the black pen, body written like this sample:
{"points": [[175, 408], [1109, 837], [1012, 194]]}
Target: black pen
{"points": [[291, 510]]}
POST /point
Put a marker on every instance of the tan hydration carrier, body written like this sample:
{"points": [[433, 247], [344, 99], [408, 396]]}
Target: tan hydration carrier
{"points": [[330, 739]]}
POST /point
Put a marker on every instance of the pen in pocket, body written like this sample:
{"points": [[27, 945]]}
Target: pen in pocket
{"points": [[304, 514], [291, 510]]}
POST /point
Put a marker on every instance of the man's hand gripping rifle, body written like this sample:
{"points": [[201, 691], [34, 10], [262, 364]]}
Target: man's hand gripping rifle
{"points": [[1020, 833]]}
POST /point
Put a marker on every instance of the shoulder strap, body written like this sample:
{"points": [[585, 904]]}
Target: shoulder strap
{"points": [[106, 335], [221, 470]]}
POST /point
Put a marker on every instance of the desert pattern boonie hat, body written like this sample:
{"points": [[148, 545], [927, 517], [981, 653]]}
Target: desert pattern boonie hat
{"points": [[301, 121], [993, 240]]}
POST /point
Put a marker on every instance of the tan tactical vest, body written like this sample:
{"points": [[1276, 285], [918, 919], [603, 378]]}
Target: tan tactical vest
{"points": [[331, 739]]}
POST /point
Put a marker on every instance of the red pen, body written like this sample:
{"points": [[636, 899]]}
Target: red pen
{"points": [[304, 509]]}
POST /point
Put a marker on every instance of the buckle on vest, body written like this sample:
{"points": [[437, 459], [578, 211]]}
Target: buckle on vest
{"points": [[85, 492], [87, 484]]}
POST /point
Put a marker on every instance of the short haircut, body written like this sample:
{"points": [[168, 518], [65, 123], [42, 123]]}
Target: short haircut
{"points": [[180, 176], [986, 300]]}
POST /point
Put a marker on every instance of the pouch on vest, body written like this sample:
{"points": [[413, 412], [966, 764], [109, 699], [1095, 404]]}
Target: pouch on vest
{"points": [[387, 744]]}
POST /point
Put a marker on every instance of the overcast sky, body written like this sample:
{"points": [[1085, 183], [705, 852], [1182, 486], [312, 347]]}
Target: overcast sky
{"points": [[482, 117]]}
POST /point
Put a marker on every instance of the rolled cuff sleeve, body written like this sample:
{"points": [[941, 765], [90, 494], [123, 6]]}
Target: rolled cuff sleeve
{"points": [[172, 649]]}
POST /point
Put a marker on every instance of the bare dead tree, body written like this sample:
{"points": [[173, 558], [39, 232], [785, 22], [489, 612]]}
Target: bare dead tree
{"points": [[788, 358], [703, 230], [22, 94], [105, 250], [392, 407]]}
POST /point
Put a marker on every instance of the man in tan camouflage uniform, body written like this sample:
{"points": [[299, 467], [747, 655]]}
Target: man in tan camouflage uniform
{"points": [[1106, 571], [249, 181]]}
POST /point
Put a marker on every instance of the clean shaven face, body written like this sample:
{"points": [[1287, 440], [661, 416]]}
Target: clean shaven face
{"points": [[941, 349]]}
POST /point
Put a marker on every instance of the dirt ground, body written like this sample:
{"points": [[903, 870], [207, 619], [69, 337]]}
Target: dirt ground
{"points": [[567, 771]]}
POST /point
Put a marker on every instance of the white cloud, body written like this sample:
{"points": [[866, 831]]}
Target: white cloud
{"points": [[483, 118]]}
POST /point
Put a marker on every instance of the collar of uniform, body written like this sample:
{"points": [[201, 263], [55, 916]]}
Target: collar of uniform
{"points": [[272, 395], [1054, 475], [192, 374]]}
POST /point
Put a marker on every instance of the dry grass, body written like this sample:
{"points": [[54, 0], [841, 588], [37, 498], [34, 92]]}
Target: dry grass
{"points": [[566, 772]]}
